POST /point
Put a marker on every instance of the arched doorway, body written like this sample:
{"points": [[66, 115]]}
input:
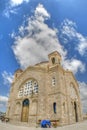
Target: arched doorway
{"points": [[25, 110], [75, 110]]}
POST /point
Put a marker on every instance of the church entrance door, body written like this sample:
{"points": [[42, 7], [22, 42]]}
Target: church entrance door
{"points": [[25, 110]]}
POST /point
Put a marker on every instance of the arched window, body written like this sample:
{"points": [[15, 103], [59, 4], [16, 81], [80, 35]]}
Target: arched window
{"points": [[30, 87], [53, 60], [26, 102], [54, 107]]}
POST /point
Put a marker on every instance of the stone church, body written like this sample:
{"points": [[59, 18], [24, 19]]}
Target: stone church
{"points": [[45, 91]]}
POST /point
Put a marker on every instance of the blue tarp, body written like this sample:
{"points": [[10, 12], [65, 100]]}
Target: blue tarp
{"points": [[45, 123]]}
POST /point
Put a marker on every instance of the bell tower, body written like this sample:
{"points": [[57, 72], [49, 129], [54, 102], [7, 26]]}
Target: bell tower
{"points": [[54, 58]]}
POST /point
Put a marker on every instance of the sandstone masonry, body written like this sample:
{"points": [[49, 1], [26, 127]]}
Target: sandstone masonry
{"points": [[45, 91]]}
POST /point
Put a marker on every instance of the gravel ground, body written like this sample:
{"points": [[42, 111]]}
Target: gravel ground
{"points": [[77, 126]]}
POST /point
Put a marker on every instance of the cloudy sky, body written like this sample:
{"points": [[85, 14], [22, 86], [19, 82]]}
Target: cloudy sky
{"points": [[31, 29]]}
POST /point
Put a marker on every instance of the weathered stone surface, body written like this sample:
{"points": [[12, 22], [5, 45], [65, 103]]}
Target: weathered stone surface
{"points": [[57, 98]]}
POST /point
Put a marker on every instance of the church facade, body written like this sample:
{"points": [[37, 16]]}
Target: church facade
{"points": [[45, 91]]}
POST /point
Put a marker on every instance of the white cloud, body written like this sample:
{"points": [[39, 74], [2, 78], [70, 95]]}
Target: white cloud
{"points": [[68, 29], [8, 77], [17, 2], [12, 7], [41, 14], [74, 64], [83, 92], [39, 40], [69, 32], [3, 103], [9, 10], [12, 35], [82, 46], [3, 99]]}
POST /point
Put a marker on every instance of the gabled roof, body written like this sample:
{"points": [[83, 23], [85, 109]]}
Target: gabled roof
{"points": [[54, 53]]}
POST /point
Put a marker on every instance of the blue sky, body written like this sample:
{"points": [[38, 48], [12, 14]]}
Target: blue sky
{"points": [[31, 29]]}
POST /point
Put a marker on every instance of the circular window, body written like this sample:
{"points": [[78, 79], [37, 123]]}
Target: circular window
{"points": [[53, 60]]}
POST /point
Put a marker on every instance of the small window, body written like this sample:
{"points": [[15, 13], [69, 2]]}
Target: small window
{"points": [[53, 81], [54, 107], [53, 60]]}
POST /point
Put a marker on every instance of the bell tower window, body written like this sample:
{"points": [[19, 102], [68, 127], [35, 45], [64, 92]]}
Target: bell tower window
{"points": [[53, 60]]}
